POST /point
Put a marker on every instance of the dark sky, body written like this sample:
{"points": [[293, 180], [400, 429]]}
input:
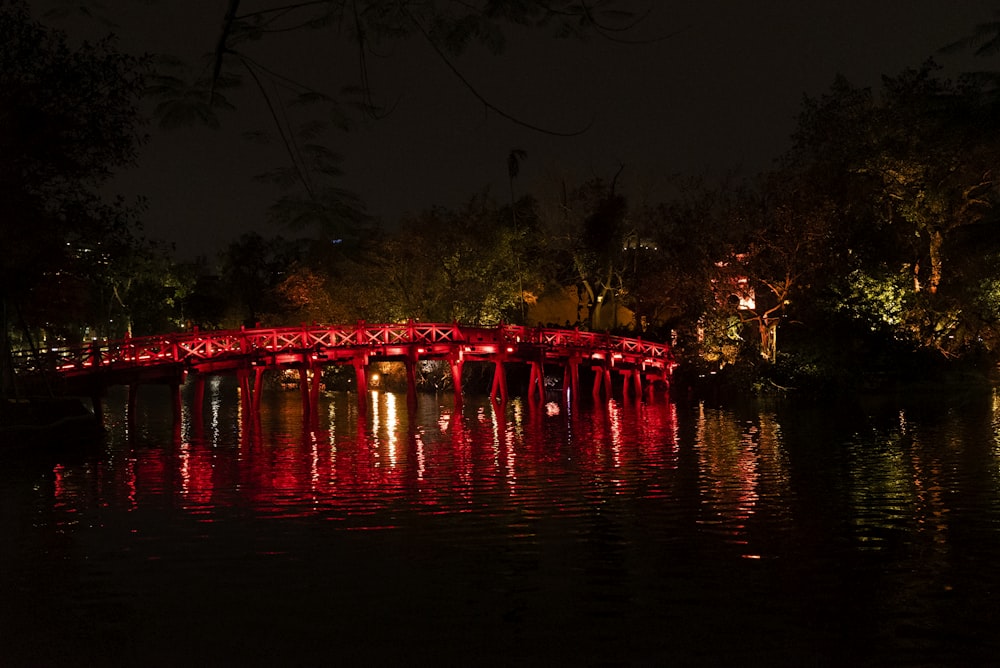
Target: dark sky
{"points": [[722, 90]]}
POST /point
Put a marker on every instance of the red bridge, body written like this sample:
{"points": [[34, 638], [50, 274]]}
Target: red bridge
{"points": [[89, 369]]}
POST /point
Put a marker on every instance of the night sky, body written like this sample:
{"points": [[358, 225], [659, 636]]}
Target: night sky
{"points": [[717, 84]]}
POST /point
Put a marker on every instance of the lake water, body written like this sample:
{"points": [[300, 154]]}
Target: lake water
{"points": [[623, 533]]}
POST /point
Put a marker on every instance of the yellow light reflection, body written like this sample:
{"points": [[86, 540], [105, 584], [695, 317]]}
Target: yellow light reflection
{"points": [[421, 458], [392, 427], [215, 406], [736, 460], [185, 468], [615, 425]]}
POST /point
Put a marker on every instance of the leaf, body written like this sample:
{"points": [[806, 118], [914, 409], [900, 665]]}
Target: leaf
{"points": [[258, 137], [312, 129]]}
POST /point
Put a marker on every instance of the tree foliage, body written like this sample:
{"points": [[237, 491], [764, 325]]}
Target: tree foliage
{"points": [[68, 118]]}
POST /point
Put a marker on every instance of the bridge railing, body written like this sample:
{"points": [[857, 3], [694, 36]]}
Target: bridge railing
{"points": [[202, 346]]}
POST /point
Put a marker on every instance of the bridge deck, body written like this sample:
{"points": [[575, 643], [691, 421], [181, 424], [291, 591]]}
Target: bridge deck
{"points": [[167, 358]]}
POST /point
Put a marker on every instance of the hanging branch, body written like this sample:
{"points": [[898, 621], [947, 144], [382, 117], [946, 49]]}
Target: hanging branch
{"points": [[479, 96]]}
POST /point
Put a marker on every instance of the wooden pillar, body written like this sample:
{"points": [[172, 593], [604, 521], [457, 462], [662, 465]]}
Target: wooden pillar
{"points": [[602, 381], [198, 405], [631, 384], [499, 382], [246, 391], [456, 363], [198, 400], [247, 421], [536, 381], [360, 362], [571, 378], [598, 381], [304, 389], [316, 379], [258, 385]]}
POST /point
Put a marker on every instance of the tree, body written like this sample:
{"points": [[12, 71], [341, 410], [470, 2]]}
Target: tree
{"points": [[303, 106], [789, 246], [447, 265], [252, 267], [680, 243], [587, 236], [936, 162], [68, 117], [139, 290], [900, 181]]}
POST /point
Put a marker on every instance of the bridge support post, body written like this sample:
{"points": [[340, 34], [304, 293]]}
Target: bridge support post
{"points": [[198, 400], [637, 382], [246, 391], [536, 380], [316, 379], [651, 381], [598, 380], [258, 385], [361, 376], [309, 379], [499, 382], [602, 382], [197, 415], [571, 378], [456, 364]]}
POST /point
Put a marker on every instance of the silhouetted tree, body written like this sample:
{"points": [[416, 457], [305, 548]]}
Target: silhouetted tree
{"points": [[68, 117], [307, 99]]}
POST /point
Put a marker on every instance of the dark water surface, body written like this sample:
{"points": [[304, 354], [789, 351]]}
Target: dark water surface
{"points": [[656, 534]]}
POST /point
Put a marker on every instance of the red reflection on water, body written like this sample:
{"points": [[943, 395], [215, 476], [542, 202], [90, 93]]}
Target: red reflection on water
{"points": [[195, 468], [348, 465]]}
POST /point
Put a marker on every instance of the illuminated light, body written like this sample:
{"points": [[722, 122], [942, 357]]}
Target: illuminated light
{"points": [[617, 356], [421, 351], [510, 349]]}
